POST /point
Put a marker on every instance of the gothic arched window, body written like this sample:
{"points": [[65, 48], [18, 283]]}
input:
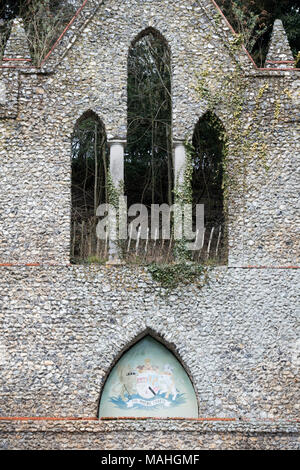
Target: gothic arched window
{"points": [[209, 145], [89, 189], [148, 159]]}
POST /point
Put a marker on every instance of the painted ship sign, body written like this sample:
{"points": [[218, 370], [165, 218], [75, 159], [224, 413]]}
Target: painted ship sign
{"points": [[148, 381]]}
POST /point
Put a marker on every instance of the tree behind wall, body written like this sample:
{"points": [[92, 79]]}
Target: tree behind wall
{"points": [[208, 159], [44, 21], [254, 20], [148, 160], [89, 189]]}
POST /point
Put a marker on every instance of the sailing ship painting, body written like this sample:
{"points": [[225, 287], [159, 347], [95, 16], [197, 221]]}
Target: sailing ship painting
{"points": [[148, 380]]}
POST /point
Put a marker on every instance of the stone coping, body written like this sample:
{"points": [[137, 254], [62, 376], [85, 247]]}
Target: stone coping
{"points": [[106, 425]]}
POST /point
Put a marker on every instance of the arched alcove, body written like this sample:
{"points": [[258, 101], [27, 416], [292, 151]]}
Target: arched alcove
{"points": [[148, 159], [148, 380], [208, 159], [89, 161]]}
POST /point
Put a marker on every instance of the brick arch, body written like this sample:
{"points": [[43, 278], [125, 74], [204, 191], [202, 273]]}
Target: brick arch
{"points": [[197, 117], [150, 30], [86, 114], [216, 113], [75, 114]]}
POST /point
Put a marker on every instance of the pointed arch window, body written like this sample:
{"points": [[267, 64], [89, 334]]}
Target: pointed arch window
{"points": [[148, 159], [209, 152], [148, 380], [89, 163]]}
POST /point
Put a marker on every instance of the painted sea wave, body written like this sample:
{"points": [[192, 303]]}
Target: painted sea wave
{"points": [[135, 401]]}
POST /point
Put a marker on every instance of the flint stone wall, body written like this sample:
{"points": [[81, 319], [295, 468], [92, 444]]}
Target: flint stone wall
{"points": [[63, 327], [236, 337], [43, 105], [148, 435]]}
